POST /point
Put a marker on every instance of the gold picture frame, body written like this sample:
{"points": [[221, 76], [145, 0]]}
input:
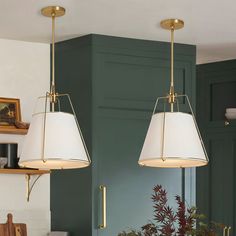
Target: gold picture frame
{"points": [[9, 113]]}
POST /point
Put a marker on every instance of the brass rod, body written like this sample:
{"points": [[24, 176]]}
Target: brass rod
{"points": [[44, 127], [28, 187], [80, 132], [156, 103], [172, 92], [27, 177], [172, 25], [163, 134], [172, 61], [53, 53], [172, 107], [196, 126], [53, 64]]}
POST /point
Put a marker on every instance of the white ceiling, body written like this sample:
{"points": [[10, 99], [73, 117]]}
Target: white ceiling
{"points": [[209, 24]]}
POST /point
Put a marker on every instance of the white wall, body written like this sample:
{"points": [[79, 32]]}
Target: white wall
{"points": [[24, 74]]}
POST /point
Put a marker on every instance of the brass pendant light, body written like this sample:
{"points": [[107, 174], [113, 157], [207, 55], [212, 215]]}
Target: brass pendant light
{"points": [[173, 139], [54, 139]]}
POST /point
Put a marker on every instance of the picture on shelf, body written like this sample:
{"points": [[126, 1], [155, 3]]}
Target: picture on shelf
{"points": [[9, 112]]}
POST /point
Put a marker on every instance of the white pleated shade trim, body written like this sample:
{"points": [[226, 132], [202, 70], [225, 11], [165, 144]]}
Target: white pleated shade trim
{"points": [[172, 141], [64, 148]]}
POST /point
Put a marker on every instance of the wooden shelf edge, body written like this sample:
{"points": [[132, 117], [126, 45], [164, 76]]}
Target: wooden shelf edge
{"points": [[24, 171], [13, 131]]}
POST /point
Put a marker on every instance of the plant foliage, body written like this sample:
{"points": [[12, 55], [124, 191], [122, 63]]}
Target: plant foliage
{"points": [[185, 221]]}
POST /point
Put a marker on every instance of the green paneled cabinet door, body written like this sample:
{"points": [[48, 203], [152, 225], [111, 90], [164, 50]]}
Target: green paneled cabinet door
{"points": [[216, 87], [216, 195], [114, 83]]}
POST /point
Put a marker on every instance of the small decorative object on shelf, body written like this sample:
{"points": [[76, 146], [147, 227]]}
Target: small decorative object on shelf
{"points": [[9, 152], [230, 113], [171, 223], [227, 123], [3, 156], [10, 117], [3, 162]]}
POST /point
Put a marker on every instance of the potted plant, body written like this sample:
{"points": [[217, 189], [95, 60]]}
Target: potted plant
{"points": [[184, 221]]}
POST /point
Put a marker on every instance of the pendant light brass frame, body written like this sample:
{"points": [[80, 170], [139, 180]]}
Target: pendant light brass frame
{"points": [[154, 155], [52, 106], [172, 25], [53, 12], [53, 96]]}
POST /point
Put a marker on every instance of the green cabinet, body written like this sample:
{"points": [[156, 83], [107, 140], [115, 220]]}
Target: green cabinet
{"points": [[216, 91], [113, 83]]}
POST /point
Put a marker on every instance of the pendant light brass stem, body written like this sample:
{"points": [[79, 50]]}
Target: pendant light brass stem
{"points": [[172, 89], [53, 86], [53, 12], [172, 25], [172, 62]]}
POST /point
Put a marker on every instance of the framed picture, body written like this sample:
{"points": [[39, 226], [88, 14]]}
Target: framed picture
{"points": [[9, 113]]}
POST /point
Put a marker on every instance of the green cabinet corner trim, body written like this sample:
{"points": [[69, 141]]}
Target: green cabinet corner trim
{"points": [[113, 83]]}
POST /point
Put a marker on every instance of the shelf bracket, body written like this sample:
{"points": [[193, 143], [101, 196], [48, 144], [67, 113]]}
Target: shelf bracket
{"points": [[29, 186]]}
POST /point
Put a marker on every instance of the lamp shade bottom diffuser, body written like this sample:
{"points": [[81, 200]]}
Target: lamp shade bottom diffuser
{"points": [[173, 141], [170, 162], [54, 142], [55, 164]]}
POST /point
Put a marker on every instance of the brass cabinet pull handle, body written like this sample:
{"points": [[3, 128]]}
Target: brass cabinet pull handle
{"points": [[229, 228], [103, 189], [224, 230]]}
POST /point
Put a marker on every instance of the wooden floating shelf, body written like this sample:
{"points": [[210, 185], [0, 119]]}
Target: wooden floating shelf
{"points": [[13, 131], [24, 171]]}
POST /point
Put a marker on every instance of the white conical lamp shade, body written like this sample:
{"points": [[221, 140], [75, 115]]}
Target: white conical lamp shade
{"points": [[173, 141], [63, 147]]}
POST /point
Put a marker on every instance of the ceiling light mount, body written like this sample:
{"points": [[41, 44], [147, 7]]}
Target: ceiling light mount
{"points": [[172, 24], [55, 11]]}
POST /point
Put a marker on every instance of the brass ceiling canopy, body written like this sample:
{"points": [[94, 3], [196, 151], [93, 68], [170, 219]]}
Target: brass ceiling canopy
{"points": [[55, 11], [173, 24]]}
